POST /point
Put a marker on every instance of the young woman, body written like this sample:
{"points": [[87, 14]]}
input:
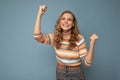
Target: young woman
{"points": [[69, 44]]}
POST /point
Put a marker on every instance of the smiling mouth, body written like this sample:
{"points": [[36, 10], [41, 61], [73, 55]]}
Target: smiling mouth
{"points": [[64, 25]]}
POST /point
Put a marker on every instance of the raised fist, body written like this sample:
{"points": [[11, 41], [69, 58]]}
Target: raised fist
{"points": [[93, 38], [42, 9]]}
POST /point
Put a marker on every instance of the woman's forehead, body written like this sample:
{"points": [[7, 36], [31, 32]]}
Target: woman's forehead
{"points": [[67, 15]]}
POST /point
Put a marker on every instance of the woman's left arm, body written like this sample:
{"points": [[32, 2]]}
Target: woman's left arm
{"points": [[90, 56]]}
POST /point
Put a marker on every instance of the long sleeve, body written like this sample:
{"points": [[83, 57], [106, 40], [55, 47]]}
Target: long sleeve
{"points": [[83, 51], [45, 38]]}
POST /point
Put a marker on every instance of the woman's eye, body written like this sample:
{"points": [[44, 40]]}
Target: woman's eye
{"points": [[69, 19], [62, 18]]}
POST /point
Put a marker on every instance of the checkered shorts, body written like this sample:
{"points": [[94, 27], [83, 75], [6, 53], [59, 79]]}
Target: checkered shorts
{"points": [[69, 73]]}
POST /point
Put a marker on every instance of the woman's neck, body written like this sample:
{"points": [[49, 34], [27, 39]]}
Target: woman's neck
{"points": [[67, 32]]}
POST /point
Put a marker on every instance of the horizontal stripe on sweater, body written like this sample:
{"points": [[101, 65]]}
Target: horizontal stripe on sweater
{"points": [[68, 61]]}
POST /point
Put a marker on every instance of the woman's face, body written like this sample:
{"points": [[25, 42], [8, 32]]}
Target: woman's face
{"points": [[66, 22]]}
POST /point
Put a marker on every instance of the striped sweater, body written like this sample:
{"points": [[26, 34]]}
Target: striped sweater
{"points": [[64, 55]]}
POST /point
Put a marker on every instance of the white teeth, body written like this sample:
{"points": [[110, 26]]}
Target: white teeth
{"points": [[65, 25]]}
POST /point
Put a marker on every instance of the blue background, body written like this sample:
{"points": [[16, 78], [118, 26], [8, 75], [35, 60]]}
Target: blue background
{"points": [[22, 58]]}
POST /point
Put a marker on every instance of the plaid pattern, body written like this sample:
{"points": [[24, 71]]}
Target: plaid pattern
{"points": [[69, 72]]}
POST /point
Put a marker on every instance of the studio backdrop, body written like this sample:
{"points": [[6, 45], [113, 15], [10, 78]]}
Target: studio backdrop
{"points": [[23, 58]]}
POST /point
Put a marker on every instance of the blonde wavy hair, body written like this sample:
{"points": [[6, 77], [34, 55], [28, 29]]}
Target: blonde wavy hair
{"points": [[59, 35]]}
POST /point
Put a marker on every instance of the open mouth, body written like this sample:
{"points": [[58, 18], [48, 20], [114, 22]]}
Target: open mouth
{"points": [[64, 25]]}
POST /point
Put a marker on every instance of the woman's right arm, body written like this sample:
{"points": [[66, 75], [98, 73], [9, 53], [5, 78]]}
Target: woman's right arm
{"points": [[37, 28]]}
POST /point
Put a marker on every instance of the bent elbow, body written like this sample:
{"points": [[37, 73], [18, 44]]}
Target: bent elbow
{"points": [[87, 64], [38, 38]]}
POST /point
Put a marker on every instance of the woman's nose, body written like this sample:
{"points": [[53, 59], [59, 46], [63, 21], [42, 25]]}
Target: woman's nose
{"points": [[66, 21]]}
